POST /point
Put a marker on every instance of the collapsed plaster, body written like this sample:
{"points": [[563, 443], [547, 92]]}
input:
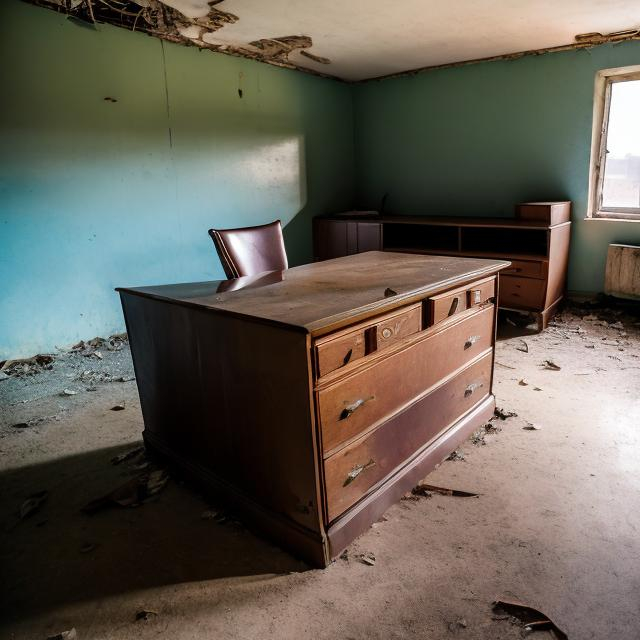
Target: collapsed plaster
{"points": [[190, 22]]}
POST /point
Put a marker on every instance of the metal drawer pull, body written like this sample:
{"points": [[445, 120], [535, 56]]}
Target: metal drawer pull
{"points": [[471, 340], [471, 388], [454, 306], [348, 356], [357, 470], [350, 408]]}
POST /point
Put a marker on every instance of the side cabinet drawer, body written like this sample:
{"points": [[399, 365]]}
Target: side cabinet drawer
{"points": [[357, 402], [452, 302], [525, 268], [351, 472], [525, 293]]}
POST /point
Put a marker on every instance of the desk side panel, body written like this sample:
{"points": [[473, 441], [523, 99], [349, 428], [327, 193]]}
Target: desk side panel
{"points": [[230, 396]]}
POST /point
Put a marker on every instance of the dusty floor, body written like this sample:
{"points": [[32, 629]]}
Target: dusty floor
{"points": [[556, 524]]}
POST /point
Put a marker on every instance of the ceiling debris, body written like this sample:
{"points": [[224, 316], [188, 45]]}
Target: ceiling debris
{"points": [[190, 22]]}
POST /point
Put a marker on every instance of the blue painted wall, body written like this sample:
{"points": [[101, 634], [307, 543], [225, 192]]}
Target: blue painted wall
{"points": [[474, 140], [97, 194]]}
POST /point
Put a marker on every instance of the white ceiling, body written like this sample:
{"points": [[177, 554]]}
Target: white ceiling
{"points": [[369, 38]]}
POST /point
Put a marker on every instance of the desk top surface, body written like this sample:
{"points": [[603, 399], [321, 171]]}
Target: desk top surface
{"points": [[323, 296]]}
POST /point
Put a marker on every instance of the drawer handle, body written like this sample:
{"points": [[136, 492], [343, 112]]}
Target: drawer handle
{"points": [[471, 340], [475, 296], [471, 388], [357, 470], [350, 408], [454, 306], [348, 356]]}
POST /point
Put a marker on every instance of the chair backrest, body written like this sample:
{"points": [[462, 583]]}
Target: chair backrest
{"points": [[252, 250]]}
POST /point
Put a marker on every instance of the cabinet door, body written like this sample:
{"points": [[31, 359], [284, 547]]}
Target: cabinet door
{"points": [[336, 238], [329, 238], [369, 236]]}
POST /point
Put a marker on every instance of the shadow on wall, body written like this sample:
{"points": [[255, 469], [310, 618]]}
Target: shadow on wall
{"points": [[46, 564]]}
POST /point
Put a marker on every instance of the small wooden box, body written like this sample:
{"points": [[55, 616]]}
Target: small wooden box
{"points": [[550, 212]]}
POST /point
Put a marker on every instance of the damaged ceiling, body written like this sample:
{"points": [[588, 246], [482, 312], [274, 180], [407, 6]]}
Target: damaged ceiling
{"points": [[362, 39]]}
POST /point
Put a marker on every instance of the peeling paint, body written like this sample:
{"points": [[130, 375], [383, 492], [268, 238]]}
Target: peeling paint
{"points": [[189, 22]]}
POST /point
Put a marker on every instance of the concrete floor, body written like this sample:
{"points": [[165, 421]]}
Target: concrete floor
{"points": [[556, 524]]}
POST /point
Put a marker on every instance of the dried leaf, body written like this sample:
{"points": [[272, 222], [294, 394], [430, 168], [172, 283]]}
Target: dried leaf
{"points": [[118, 407], [533, 619], [523, 383], [532, 427], [33, 504], [458, 454], [388, 292], [524, 347], [367, 558], [422, 488], [68, 392], [551, 365]]}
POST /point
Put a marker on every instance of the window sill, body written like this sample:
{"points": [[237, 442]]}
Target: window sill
{"points": [[611, 218]]}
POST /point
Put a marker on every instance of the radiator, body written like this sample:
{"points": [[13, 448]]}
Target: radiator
{"points": [[622, 277]]}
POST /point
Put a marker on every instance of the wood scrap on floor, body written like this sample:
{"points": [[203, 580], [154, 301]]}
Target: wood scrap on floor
{"points": [[427, 490], [532, 619]]}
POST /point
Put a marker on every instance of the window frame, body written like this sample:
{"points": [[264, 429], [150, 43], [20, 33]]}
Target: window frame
{"points": [[601, 105]]}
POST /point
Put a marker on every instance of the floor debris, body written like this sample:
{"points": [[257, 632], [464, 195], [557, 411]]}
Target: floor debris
{"points": [[524, 347], [551, 365], [33, 504], [68, 392], [367, 558], [27, 366], [427, 490], [132, 493], [118, 407], [458, 454], [532, 619], [127, 455], [71, 634], [523, 383], [503, 414], [532, 427], [145, 614]]}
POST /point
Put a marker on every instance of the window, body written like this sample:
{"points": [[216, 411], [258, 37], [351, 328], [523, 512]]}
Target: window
{"points": [[615, 153]]}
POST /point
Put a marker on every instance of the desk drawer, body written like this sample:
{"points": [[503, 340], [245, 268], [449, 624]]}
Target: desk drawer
{"points": [[525, 293], [351, 472], [356, 403], [337, 350], [452, 302], [525, 268]]}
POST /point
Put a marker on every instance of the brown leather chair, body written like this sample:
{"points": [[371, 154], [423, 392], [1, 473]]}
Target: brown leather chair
{"points": [[251, 250]]}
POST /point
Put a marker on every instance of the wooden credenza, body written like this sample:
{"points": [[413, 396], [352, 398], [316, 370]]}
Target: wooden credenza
{"points": [[536, 241], [309, 400]]}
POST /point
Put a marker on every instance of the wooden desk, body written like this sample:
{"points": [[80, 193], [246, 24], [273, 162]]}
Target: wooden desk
{"points": [[536, 242], [310, 400]]}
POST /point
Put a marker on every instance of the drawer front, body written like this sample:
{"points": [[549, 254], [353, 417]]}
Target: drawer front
{"points": [[339, 351], [525, 268], [351, 472], [525, 293], [357, 402], [452, 302], [347, 346], [396, 327]]}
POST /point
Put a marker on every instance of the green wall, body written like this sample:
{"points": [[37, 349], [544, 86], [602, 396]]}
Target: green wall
{"points": [[474, 140], [97, 194]]}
